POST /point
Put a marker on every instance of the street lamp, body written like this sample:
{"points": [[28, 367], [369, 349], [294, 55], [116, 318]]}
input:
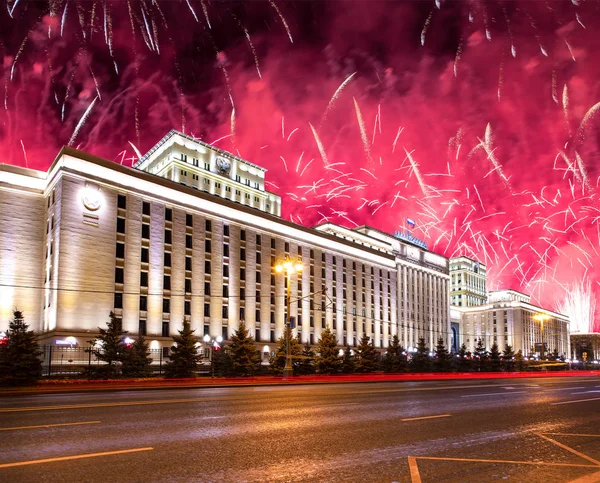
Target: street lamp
{"points": [[289, 266], [214, 344], [541, 318]]}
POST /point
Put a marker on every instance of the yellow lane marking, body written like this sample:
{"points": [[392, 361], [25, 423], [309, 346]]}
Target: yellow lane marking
{"points": [[415, 477], [577, 401], [49, 425], [593, 478], [75, 457], [570, 450], [427, 417], [577, 434], [538, 463]]}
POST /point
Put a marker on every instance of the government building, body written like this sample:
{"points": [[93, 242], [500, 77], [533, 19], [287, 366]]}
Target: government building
{"points": [[504, 317], [190, 232]]}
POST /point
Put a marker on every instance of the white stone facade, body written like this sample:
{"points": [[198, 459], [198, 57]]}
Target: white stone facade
{"points": [[91, 236]]}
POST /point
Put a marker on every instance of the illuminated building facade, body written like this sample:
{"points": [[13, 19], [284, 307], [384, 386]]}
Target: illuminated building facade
{"points": [[190, 232], [468, 280]]}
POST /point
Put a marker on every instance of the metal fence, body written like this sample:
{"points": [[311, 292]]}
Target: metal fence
{"points": [[70, 361]]}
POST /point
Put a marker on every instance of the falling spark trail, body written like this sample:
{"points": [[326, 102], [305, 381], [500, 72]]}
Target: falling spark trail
{"points": [[25, 154], [400, 129], [425, 27], [287, 29], [290, 135], [82, 121], [335, 96], [221, 138], [205, 10], [136, 150], [299, 161], [415, 169], [284, 163], [305, 167], [12, 69], [191, 8], [64, 18], [363, 131], [319, 145]]}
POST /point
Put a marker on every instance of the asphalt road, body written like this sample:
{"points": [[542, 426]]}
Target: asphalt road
{"points": [[529, 430]]}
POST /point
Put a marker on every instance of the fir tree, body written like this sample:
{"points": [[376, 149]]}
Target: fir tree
{"points": [[327, 360], [348, 363], [221, 362], [306, 366], [277, 362], [480, 356], [443, 358], [420, 360], [519, 361], [109, 347], [20, 362], [138, 362], [495, 363], [395, 358], [184, 358], [245, 359], [508, 364], [366, 355], [463, 361]]}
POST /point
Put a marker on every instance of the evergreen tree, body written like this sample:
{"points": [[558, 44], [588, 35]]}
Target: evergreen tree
{"points": [[306, 365], [395, 358], [495, 363], [480, 356], [420, 360], [508, 364], [348, 363], [327, 360], [277, 362], [245, 359], [221, 362], [463, 362], [20, 362], [443, 359], [366, 355], [109, 347], [184, 358], [137, 362]]}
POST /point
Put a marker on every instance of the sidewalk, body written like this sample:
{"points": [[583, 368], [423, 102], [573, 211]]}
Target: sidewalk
{"points": [[66, 386]]}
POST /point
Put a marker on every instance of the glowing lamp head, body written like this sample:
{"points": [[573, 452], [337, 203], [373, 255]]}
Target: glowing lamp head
{"points": [[278, 268], [91, 198], [219, 339], [207, 338], [298, 267], [288, 266]]}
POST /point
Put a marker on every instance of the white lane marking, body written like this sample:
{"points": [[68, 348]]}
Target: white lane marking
{"points": [[584, 392], [576, 401], [495, 394], [427, 417]]}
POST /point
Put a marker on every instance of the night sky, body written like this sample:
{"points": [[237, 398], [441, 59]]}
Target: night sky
{"points": [[476, 119]]}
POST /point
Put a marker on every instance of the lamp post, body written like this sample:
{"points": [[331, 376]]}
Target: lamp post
{"points": [[289, 266], [541, 318], [213, 344]]}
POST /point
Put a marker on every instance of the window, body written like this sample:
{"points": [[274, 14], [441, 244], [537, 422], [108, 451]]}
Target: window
{"points": [[165, 330], [258, 240], [166, 306], [257, 277], [188, 263], [208, 225], [258, 257], [165, 351], [145, 208], [225, 270], [143, 279], [143, 303], [142, 327], [167, 259], [188, 285], [188, 241], [242, 254], [207, 246], [207, 266], [121, 201], [242, 294], [189, 220], [243, 235], [257, 315], [120, 225], [225, 230], [226, 249], [225, 291], [168, 214], [145, 231], [242, 274], [287, 246], [187, 308], [119, 275], [272, 336], [225, 315], [257, 335], [145, 254], [167, 282], [118, 301], [168, 237], [206, 311], [273, 243]]}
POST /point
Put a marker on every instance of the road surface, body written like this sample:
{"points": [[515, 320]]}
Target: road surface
{"points": [[528, 430]]}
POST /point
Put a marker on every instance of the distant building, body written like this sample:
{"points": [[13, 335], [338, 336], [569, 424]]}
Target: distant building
{"points": [[468, 280], [191, 233]]}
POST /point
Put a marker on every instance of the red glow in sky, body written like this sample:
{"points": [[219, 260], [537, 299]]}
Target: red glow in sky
{"points": [[476, 119]]}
